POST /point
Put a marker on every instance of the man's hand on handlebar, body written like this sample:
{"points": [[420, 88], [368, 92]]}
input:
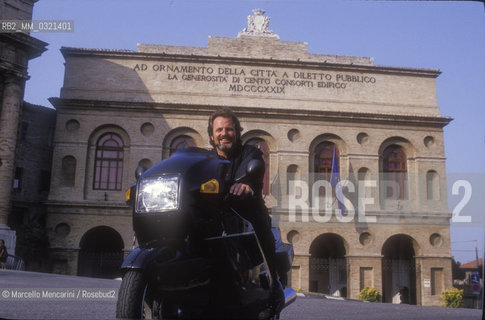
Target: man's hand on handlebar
{"points": [[241, 189]]}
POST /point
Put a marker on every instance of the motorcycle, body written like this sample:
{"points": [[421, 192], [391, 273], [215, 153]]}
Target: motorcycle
{"points": [[197, 257]]}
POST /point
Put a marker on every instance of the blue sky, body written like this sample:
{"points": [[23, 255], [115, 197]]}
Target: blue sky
{"points": [[445, 35]]}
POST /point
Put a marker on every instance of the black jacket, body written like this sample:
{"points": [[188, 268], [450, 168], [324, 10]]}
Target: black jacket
{"points": [[252, 208], [239, 161]]}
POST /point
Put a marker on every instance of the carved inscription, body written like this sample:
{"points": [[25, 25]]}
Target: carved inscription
{"points": [[258, 80]]}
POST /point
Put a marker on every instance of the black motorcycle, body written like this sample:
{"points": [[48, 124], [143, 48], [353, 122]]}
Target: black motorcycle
{"points": [[197, 257]]}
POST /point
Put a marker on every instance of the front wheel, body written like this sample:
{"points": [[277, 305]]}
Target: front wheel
{"points": [[134, 301]]}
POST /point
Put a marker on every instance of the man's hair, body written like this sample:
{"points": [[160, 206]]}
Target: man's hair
{"points": [[225, 113]]}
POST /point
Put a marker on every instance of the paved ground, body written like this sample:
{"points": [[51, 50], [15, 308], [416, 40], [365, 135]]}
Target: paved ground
{"points": [[98, 303], [320, 307], [88, 307]]}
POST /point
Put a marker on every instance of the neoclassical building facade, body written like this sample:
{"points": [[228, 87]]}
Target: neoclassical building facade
{"points": [[320, 120]]}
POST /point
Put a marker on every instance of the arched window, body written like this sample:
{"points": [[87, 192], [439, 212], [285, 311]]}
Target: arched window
{"points": [[323, 164], [395, 172], [261, 145], [181, 142], [147, 163], [323, 159], [109, 162]]}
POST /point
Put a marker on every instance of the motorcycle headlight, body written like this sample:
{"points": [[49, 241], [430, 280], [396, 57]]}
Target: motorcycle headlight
{"points": [[158, 194]]}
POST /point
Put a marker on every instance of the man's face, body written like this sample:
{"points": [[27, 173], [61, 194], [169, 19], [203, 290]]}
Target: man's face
{"points": [[223, 135]]}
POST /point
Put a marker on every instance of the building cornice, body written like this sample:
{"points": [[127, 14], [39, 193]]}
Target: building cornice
{"points": [[87, 204], [34, 47], [192, 58], [249, 112], [428, 256], [26, 47]]}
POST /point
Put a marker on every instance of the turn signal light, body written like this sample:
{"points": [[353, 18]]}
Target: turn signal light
{"points": [[211, 186]]}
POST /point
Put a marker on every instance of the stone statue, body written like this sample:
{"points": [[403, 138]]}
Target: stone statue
{"points": [[258, 26]]}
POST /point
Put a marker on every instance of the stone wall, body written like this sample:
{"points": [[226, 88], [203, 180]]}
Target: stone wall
{"points": [[16, 9], [217, 81], [34, 153]]}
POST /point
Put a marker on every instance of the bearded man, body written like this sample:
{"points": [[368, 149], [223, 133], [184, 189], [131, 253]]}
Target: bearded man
{"points": [[224, 131]]}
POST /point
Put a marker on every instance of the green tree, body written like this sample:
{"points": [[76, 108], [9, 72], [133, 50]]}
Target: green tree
{"points": [[457, 273]]}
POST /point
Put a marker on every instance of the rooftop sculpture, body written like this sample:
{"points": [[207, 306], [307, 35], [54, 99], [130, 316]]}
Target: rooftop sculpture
{"points": [[258, 26]]}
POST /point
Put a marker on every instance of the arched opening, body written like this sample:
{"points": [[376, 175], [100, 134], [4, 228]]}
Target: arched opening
{"points": [[399, 270], [181, 142], [293, 174], [179, 138], [101, 253], [394, 167], [107, 152], [328, 265], [68, 171], [432, 185], [362, 175], [323, 158]]}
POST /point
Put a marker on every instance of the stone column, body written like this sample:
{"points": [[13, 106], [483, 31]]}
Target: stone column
{"points": [[420, 276], [356, 277], [9, 119], [303, 262]]}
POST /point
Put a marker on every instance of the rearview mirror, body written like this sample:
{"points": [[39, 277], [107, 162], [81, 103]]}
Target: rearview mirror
{"points": [[139, 171], [255, 168]]}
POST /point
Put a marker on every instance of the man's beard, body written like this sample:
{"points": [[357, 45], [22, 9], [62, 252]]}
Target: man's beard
{"points": [[225, 147]]}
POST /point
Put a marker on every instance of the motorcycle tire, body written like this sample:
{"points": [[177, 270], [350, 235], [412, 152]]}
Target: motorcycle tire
{"points": [[133, 301], [130, 295]]}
